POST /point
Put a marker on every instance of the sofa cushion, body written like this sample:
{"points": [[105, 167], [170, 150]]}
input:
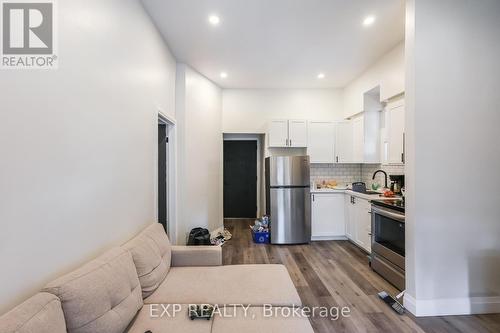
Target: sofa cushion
{"points": [[196, 256], [152, 255], [103, 296], [157, 321], [234, 284], [41, 313], [256, 319]]}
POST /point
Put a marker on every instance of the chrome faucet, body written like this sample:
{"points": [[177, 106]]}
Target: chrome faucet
{"points": [[385, 174]]}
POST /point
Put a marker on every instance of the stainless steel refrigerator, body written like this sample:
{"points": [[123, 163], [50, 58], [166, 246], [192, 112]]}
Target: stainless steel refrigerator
{"points": [[288, 199]]}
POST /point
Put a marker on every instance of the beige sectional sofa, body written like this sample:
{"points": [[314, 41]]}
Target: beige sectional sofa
{"points": [[147, 284]]}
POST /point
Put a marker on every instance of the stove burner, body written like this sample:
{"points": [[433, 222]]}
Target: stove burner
{"points": [[398, 205]]}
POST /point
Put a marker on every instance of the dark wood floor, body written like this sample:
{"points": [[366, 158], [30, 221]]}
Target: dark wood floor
{"points": [[336, 273]]}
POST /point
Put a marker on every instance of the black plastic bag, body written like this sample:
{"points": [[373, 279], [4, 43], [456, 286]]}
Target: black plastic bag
{"points": [[199, 236]]}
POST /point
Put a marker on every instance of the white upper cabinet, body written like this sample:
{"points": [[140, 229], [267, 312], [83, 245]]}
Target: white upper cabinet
{"points": [[287, 133], [297, 133], [321, 142], [344, 142], [278, 133], [394, 142], [358, 142]]}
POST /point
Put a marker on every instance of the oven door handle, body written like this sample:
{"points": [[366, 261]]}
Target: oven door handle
{"points": [[389, 214]]}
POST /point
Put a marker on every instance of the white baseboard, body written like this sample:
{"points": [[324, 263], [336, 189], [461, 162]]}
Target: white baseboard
{"points": [[452, 306], [327, 237]]}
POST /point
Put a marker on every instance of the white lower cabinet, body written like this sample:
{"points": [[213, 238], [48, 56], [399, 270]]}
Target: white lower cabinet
{"points": [[336, 216], [327, 216], [358, 221], [348, 212]]}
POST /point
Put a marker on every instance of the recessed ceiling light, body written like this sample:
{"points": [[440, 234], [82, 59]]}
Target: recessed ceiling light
{"points": [[321, 76], [223, 75], [214, 20], [369, 20]]}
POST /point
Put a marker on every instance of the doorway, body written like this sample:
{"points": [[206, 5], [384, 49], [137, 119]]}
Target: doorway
{"points": [[163, 174], [240, 179]]}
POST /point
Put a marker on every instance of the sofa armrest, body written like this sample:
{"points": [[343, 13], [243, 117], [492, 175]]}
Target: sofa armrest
{"points": [[196, 256]]}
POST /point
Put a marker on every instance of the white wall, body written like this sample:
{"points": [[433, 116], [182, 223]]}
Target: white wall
{"points": [[78, 144], [453, 116], [388, 73], [250, 110], [199, 123]]}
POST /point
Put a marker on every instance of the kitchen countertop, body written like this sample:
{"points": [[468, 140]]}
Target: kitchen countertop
{"points": [[354, 194], [328, 190]]}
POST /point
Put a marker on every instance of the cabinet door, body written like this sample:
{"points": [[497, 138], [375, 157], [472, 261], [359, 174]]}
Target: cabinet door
{"points": [[349, 209], [327, 212], [297, 133], [395, 127], [363, 224], [278, 133], [343, 142], [358, 139], [321, 142]]}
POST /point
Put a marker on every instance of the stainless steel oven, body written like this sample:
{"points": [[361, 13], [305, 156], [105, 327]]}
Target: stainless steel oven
{"points": [[388, 242]]}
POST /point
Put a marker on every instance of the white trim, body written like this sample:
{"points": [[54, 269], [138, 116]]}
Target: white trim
{"points": [[168, 118], [452, 306], [409, 303], [243, 132], [327, 237], [172, 175], [172, 182]]}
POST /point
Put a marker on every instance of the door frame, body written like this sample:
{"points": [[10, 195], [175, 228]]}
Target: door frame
{"points": [[260, 164], [162, 118]]}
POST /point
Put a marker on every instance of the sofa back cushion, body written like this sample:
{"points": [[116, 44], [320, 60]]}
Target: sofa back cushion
{"points": [[103, 296], [41, 313], [152, 256]]}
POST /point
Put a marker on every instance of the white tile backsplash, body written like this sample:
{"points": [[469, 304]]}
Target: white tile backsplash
{"points": [[350, 173], [342, 173]]}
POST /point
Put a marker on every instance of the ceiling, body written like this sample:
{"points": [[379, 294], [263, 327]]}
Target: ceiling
{"points": [[279, 43]]}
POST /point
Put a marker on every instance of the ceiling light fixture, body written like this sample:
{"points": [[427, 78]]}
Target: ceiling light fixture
{"points": [[223, 75], [321, 76], [369, 20], [214, 20]]}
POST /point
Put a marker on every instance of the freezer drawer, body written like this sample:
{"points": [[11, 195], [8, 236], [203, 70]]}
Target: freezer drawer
{"points": [[290, 215], [390, 272]]}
